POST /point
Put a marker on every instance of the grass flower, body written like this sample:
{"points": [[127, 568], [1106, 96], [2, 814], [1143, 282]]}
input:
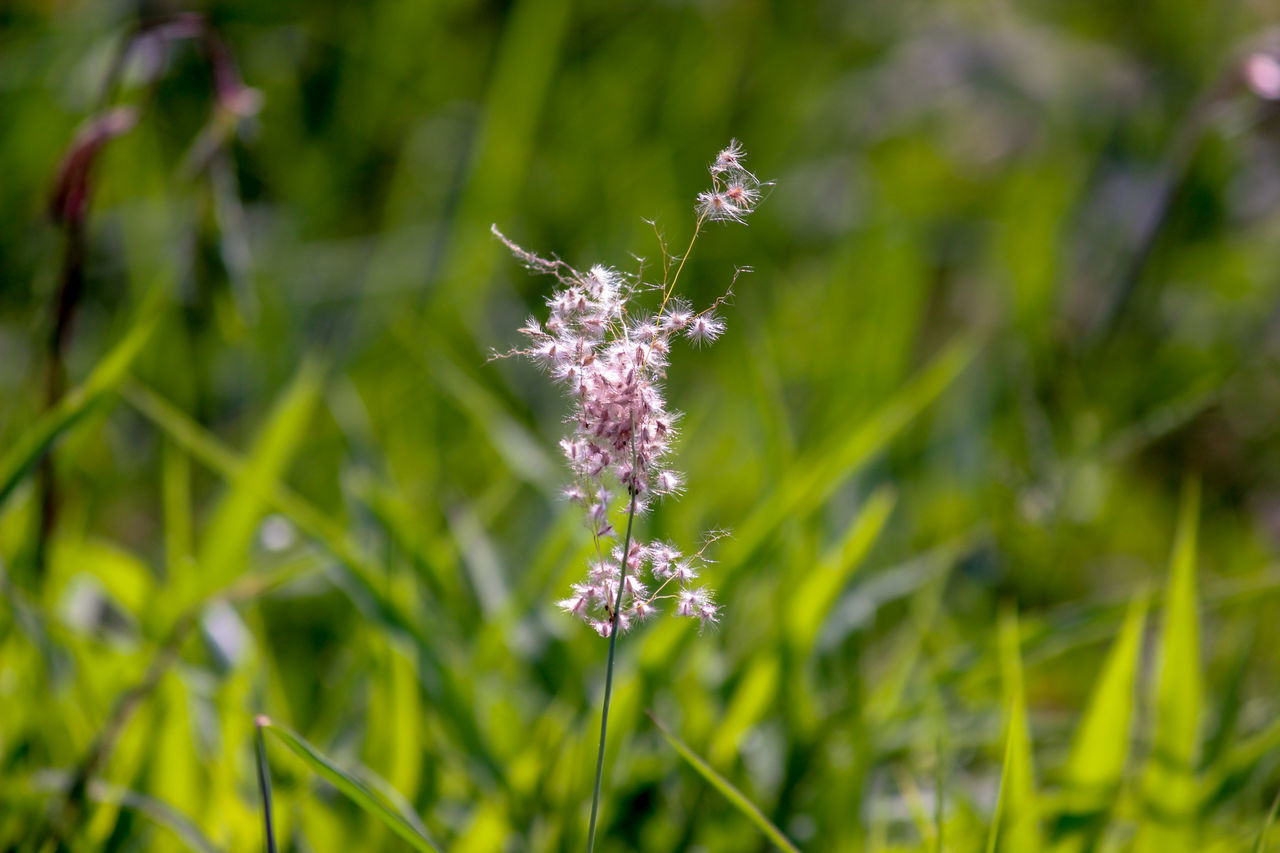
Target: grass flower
{"points": [[609, 354]]}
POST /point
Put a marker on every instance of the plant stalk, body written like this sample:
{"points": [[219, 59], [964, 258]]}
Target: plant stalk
{"points": [[668, 288], [264, 783], [613, 644]]}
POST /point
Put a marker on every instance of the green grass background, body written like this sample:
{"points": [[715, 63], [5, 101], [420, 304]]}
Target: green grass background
{"points": [[994, 425]]}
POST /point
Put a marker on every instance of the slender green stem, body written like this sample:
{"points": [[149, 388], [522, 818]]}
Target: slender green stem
{"points": [[668, 288], [264, 784], [939, 800], [613, 644]]}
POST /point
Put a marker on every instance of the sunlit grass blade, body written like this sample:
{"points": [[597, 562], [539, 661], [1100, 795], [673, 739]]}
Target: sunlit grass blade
{"points": [[917, 806], [727, 789], [1170, 790], [819, 588], [176, 500], [353, 788], [230, 530], [1096, 763], [394, 738], [884, 700], [1016, 827], [232, 467], [162, 814], [756, 693], [1232, 770], [523, 453], [812, 481], [940, 779], [110, 372], [366, 582], [525, 63], [1264, 834], [264, 782]]}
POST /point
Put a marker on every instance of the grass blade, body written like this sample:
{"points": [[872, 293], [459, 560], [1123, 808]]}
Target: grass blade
{"points": [[353, 788], [1171, 791], [365, 576], [175, 469], [159, 812], [1264, 834], [819, 589], [815, 479], [756, 693], [76, 403], [519, 448], [264, 782], [1096, 763], [885, 698], [1016, 826], [735, 797], [231, 527], [232, 467], [518, 87]]}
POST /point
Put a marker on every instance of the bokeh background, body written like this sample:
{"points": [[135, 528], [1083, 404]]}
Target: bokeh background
{"points": [[1011, 333]]}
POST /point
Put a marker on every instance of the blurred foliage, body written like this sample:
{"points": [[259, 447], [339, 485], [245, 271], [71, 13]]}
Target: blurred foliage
{"points": [[993, 424]]}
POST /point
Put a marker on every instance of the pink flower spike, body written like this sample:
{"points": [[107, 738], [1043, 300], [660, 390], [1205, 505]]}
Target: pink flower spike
{"points": [[610, 354]]}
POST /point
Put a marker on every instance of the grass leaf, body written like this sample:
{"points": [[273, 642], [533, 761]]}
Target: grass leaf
{"points": [[1096, 763], [1016, 826], [110, 372], [819, 589], [353, 788], [755, 694], [811, 481], [264, 782], [364, 575], [1264, 834], [1171, 791], [157, 811], [230, 530], [727, 789]]}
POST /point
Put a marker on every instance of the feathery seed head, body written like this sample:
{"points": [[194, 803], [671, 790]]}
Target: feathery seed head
{"points": [[611, 364], [729, 159], [704, 328], [717, 206]]}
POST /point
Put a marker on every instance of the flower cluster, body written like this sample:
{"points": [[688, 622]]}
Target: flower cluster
{"points": [[735, 192], [672, 575], [611, 359]]}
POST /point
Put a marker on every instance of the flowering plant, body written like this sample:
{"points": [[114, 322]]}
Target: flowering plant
{"points": [[611, 358]]}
